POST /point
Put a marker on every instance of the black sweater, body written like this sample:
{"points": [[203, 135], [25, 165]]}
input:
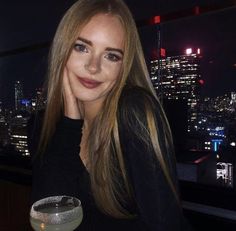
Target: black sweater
{"points": [[61, 172]]}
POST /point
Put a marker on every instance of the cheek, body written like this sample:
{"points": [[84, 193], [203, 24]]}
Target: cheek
{"points": [[75, 63], [113, 71]]}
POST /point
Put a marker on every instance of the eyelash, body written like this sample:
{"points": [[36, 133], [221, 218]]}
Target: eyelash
{"points": [[113, 57], [83, 49], [80, 47]]}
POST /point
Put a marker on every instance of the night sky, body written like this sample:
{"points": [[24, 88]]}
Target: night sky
{"points": [[25, 23], [214, 34]]}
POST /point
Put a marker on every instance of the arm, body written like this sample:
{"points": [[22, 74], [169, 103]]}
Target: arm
{"points": [[156, 203], [53, 172]]}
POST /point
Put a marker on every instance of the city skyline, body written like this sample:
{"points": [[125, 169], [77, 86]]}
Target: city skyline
{"points": [[213, 33], [208, 129], [211, 119], [39, 72], [206, 166]]}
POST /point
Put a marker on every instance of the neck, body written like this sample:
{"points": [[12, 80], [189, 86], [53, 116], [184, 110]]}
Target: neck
{"points": [[91, 110]]}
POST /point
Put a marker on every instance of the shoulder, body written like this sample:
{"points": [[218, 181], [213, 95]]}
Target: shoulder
{"points": [[136, 99], [141, 116], [136, 95], [138, 112], [137, 103]]}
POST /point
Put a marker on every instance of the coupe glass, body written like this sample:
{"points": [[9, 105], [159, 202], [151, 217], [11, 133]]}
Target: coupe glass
{"points": [[56, 213]]}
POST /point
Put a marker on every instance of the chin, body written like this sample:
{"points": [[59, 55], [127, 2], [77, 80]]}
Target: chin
{"points": [[86, 98]]}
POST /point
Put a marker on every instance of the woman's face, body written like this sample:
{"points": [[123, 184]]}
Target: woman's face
{"points": [[96, 60]]}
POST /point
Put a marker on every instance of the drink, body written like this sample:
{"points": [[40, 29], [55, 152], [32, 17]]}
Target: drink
{"points": [[59, 213], [69, 226]]}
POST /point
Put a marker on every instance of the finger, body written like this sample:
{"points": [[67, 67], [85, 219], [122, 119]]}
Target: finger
{"points": [[71, 107], [66, 84]]}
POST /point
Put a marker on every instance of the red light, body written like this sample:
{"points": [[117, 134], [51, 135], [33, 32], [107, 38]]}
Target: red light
{"points": [[201, 81], [196, 10], [156, 19], [156, 54], [201, 159], [163, 52]]}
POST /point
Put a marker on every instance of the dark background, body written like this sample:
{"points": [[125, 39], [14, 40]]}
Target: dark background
{"points": [[27, 28]]}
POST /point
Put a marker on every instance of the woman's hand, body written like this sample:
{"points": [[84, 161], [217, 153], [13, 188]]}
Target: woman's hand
{"points": [[72, 107]]}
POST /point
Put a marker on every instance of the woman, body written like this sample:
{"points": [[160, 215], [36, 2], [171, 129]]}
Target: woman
{"points": [[105, 138]]}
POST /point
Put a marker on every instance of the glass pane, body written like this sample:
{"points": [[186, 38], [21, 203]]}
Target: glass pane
{"points": [[192, 63]]}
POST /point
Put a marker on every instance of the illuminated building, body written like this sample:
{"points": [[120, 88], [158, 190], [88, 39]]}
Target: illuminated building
{"points": [[224, 173], [25, 105], [4, 138], [18, 133], [217, 118], [18, 95], [233, 101], [38, 102], [179, 78]]}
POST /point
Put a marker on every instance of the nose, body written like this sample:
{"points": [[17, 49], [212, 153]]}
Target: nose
{"points": [[93, 65]]}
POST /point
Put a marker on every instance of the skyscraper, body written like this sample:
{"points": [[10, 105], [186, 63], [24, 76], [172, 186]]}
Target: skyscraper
{"points": [[38, 102], [18, 95], [233, 99], [178, 78], [18, 134]]}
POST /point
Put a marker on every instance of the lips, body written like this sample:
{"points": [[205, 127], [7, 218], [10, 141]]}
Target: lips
{"points": [[88, 83]]}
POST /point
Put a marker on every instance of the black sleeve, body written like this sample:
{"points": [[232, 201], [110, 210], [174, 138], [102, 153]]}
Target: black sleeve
{"points": [[53, 171], [156, 202]]}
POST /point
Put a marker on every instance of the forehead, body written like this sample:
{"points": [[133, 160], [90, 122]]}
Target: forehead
{"points": [[105, 28]]}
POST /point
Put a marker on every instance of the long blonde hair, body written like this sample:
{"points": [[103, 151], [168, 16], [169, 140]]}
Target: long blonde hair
{"points": [[104, 149]]}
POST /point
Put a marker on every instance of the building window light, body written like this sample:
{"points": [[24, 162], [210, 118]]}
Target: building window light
{"points": [[233, 144]]}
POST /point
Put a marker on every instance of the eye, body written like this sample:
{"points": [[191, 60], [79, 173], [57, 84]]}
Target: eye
{"points": [[80, 47], [113, 57]]}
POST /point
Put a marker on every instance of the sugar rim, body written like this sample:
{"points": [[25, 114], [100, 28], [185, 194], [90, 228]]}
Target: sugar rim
{"points": [[60, 217]]}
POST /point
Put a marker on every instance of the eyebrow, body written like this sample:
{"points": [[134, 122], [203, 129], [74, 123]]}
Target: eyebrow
{"points": [[107, 49]]}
